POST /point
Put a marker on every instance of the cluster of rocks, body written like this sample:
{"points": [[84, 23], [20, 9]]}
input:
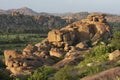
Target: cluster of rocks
{"points": [[67, 43]]}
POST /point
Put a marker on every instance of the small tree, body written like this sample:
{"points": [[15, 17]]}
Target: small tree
{"points": [[42, 73], [116, 40], [64, 74]]}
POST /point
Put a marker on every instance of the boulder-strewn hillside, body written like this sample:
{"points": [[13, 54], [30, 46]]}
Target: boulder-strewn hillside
{"points": [[25, 20], [76, 16], [68, 43], [82, 15], [19, 23], [113, 18]]}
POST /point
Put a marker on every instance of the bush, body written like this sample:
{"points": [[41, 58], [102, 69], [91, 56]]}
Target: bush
{"points": [[2, 64], [98, 56], [4, 75], [65, 74], [42, 73], [100, 50], [87, 71], [116, 40]]}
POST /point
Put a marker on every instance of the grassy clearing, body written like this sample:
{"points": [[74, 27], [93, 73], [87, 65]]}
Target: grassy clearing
{"points": [[96, 61], [18, 41]]}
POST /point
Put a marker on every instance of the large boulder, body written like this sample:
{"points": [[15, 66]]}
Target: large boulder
{"points": [[9, 54], [114, 55], [56, 52], [61, 37], [82, 45], [55, 36], [30, 49]]}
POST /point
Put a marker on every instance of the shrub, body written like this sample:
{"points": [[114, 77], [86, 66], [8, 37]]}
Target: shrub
{"points": [[4, 75], [42, 73], [87, 71], [116, 40], [2, 64], [65, 74], [99, 50]]}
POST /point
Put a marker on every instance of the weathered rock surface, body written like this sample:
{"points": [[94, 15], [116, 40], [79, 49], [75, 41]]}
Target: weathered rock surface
{"points": [[65, 44], [29, 49], [56, 52], [110, 74], [71, 58], [114, 55], [82, 45], [9, 54], [92, 28]]}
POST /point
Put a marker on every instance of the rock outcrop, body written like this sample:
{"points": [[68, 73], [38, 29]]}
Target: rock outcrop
{"points": [[71, 58], [90, 29], [65, 43]]}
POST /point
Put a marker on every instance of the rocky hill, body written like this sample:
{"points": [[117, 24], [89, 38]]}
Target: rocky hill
{"points": [[23, 10], [25, 20], [62, 47], [76, 16], [82, 15], [20, 23]]}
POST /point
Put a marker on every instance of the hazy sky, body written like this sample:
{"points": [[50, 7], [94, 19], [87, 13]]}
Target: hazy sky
{"points": [[61, 6]]}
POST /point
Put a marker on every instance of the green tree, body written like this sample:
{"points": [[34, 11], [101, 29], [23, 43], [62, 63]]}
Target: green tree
{"points": [[116, 40]]}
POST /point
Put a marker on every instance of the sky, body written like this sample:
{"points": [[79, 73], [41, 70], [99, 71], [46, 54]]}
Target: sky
{"points": [[64, 6]]}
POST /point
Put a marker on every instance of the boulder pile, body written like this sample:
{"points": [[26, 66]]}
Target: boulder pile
{"points": [[67, 43]]}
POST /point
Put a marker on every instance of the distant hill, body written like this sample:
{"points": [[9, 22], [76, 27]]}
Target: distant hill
{"points": [[25, 20], [113, 18], [24, 10], [82, 15], [19, 23], [75, 16]]}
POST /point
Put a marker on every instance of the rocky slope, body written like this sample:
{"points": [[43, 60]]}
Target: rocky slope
{"points": [[23, 10], [82, 15], [76, 16], [62, 47], [25, 20], [20, 23]]}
